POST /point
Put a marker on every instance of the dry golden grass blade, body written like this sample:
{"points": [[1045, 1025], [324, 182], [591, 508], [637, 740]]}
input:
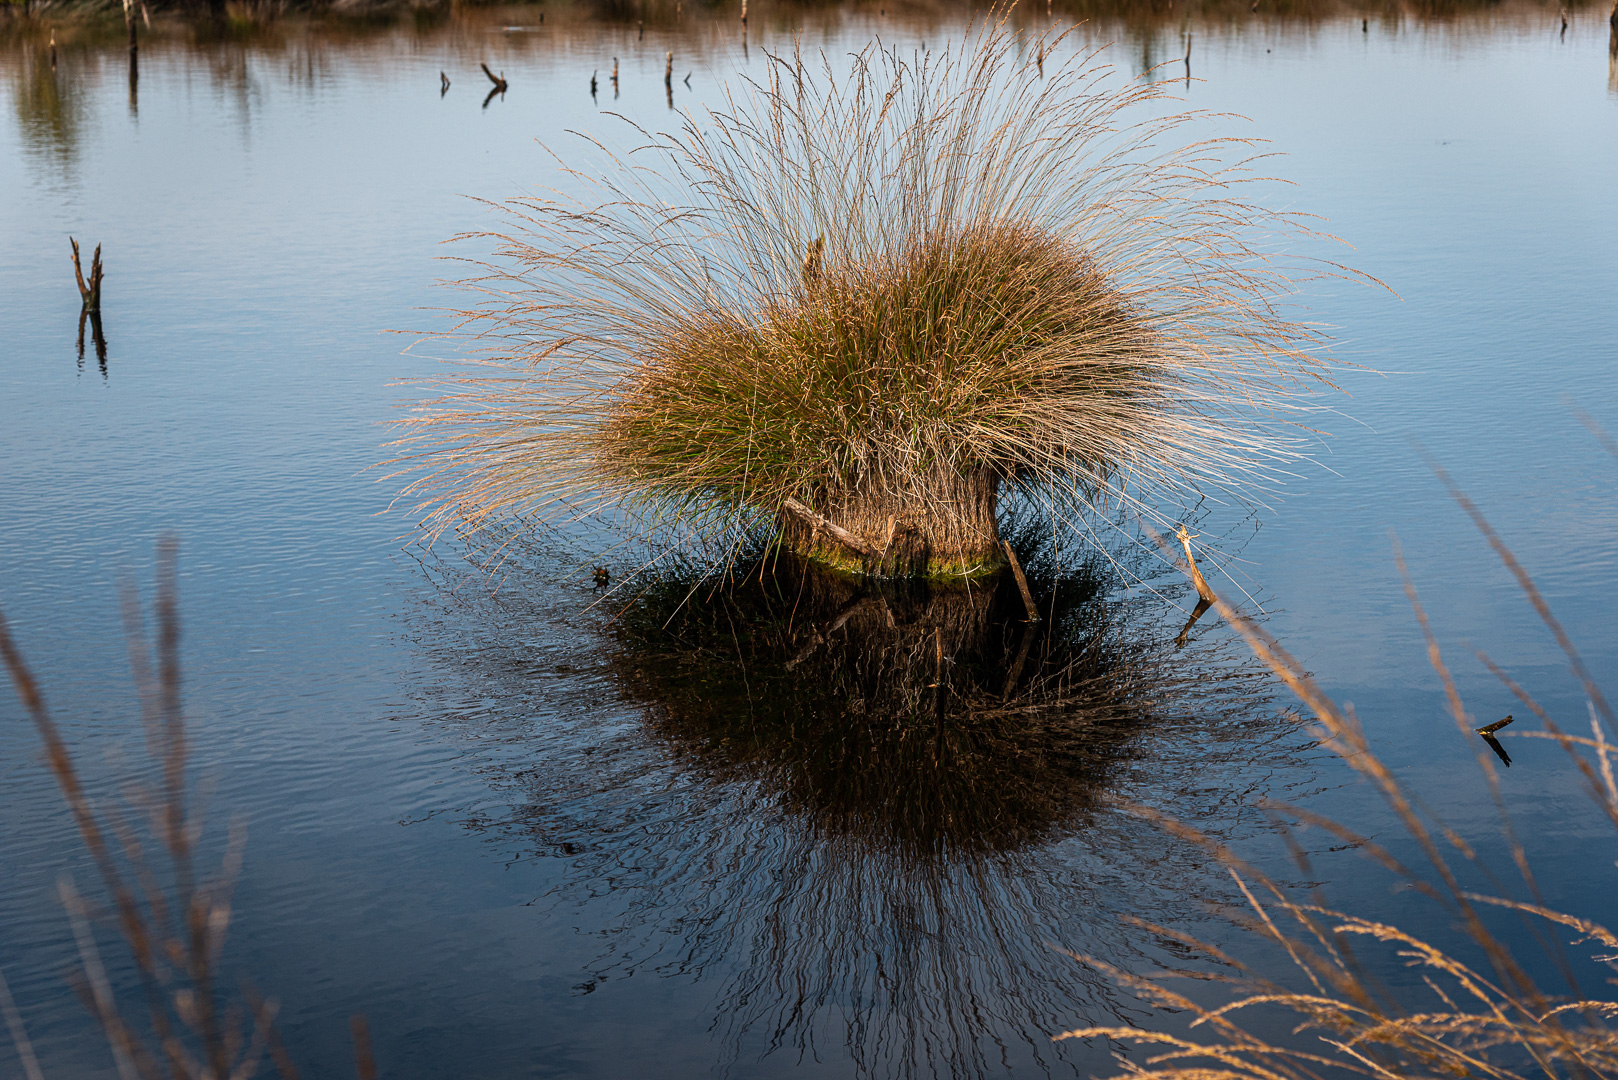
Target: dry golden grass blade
{"points": [[1591, 931], [1529, 590], [1601, 787], [1503, 1028], [19, 1033], [174, 936]]}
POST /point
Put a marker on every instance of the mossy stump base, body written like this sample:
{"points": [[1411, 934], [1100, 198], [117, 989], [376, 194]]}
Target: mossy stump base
{"points": [[948, 532]]}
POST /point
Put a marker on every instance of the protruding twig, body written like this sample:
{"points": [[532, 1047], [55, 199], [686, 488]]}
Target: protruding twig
{"points": [[89, 293], [744, 12], [1196, 575], [1490, 729], [498, 80], [443, 84], [1022, 581], [668, 72]]}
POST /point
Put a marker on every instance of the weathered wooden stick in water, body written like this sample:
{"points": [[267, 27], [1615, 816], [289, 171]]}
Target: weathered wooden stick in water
{"points": [[1022, 582], [89, 293], [744, 12], [443, 84], [498, 80], [668, 72], [53, 50], [1490, 729], [836, 532], [1196, 575]]}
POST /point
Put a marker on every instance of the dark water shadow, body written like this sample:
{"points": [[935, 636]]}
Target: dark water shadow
{"points": [[862, 816]]}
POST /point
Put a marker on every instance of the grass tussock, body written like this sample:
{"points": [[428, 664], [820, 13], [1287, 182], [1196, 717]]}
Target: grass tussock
{"points": [[890, 292]]}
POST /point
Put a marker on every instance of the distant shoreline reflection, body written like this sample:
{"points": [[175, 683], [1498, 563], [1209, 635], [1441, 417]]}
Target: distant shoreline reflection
{"points": [[870, 812]]}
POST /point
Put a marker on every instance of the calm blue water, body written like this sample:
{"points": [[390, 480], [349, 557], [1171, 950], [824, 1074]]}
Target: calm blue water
{"points": [[465, 819]]}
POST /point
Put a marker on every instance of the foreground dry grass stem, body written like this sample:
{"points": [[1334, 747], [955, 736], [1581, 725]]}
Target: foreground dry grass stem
{"points": [[170, 918], [893, 294], [1493, 1021]]}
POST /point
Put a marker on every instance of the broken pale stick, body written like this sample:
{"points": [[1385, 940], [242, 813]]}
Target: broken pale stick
{"points": [[1022, 582], [1196, 575], [836, 532], [1490, 729]]}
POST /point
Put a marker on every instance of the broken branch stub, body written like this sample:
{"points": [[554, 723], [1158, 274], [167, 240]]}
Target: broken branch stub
{"points": [[1022, 582], [836, 532], [1203, 589], [89, 292]]}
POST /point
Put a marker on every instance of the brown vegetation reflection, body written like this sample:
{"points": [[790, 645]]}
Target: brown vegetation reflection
{"points": [[925, 723], [311, 45], [865, 811], [244, 47]]}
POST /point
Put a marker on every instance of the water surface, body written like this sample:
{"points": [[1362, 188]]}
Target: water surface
{"points": [[474, 815]]}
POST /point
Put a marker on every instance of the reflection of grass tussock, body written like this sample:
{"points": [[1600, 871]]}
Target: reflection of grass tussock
{"points": [[932, 721], [756, 792], [884, 295]]}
